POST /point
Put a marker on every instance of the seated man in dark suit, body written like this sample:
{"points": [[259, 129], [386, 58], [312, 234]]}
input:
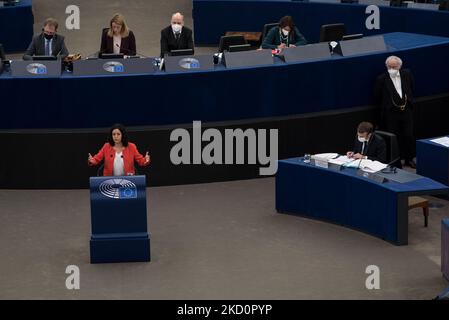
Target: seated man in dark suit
{"points": [[48, 43], [176, 36], [368, 145]]}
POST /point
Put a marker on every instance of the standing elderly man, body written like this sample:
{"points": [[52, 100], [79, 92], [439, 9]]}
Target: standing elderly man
{"points": [[176, 36], [394, 93]]}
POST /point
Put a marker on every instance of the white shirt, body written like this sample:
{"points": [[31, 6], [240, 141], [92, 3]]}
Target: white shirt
{"points": [[119, 166], [117, 44], [397, 84]]}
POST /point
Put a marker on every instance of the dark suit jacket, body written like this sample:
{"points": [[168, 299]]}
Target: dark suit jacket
{"points": [[169, 42], [127, 46], [273, 38], [37, 47], [375, 149], [385, 93]]}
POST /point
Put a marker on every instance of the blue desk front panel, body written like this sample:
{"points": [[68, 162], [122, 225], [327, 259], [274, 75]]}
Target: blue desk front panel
{"points": [[344, 198], [16, 26], [432, 160]]}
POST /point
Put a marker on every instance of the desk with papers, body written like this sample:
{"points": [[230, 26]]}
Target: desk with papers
{"points": [[351, 197]]}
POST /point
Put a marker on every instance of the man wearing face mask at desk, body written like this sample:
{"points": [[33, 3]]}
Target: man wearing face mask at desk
{"points": [[394, 93], [368, 145], [176, 36], [48, 43]]}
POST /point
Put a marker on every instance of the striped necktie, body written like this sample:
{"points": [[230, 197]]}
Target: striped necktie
{"points": [[47, 47]]}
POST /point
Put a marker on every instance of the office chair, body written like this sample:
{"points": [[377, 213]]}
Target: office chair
{"points": [[266, 29], [391, 142], [2, 53], [444, 5], [226, 41], [396, 3], [393, 158], [332, 32]]}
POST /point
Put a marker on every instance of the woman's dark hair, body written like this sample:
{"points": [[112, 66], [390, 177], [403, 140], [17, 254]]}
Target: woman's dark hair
{"points": [[287, 21], [122, 130]]}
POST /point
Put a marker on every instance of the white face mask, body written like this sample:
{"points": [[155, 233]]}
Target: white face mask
{"points": [[393, 72], [361, 139], [285, 32], [176, 28]]}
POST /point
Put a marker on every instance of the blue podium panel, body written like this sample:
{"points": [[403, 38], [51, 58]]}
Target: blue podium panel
{"points": [[119, 219], [432, 160], [346, 198], [16, 26]]}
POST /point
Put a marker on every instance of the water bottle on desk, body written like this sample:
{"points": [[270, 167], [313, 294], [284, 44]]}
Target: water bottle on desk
{"points": [[307, 158]]}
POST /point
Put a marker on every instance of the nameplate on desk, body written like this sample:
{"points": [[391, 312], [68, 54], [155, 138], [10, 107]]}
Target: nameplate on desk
{"points": [[325, 1], [248, 58], [309, 52], [361, 46], [371, 176], [320, 163], [424, 6], [189, 63], [32, 69], [379, 3], [92, 67]]}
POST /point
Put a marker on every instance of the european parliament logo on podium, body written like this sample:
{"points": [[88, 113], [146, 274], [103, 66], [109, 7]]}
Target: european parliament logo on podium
{"points": [[119, 220], [118, 189]]}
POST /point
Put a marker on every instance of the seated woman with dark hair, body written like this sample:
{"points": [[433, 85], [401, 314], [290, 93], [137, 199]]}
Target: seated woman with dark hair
{"points": [[118, 154], [284, 36], [118, 38]]}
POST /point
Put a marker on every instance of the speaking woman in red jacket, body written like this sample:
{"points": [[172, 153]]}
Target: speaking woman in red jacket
{"points": [[118, 154]]}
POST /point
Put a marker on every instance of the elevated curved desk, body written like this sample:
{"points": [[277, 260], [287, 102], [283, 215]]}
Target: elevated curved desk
{"points": [[350, 200], [16, 26], [281, 89]]}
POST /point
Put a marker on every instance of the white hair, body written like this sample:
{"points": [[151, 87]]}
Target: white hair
{"points": [[393, 58], [177, 14]]}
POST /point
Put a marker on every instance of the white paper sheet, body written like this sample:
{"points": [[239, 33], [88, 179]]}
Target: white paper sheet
{"points": [[444, 141], [367, 165], [325, 156], [341, 160]]}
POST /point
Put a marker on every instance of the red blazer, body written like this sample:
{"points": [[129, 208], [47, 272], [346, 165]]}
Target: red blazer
{"points": [[130, 155]]}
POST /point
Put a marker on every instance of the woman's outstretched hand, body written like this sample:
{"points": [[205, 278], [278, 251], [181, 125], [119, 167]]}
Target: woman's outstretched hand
{"points": [[147, 158]]}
